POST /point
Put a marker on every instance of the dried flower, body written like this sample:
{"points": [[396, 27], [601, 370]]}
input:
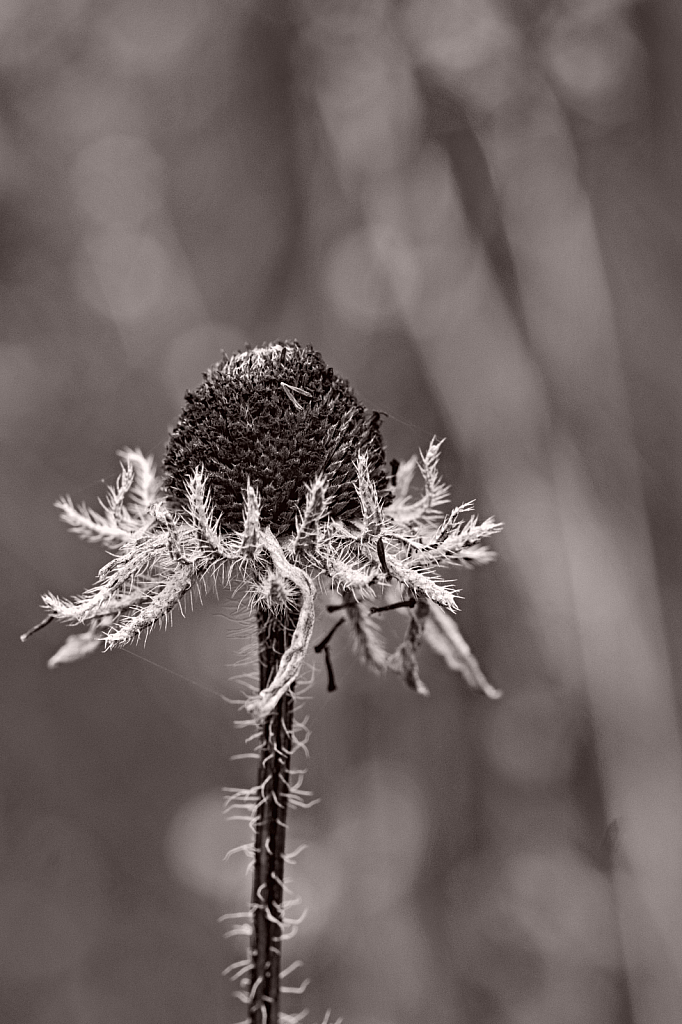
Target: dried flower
{"points": [[275, 486], [274, 483]]}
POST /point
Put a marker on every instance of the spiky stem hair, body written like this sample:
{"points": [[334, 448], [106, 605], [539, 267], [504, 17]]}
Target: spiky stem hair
{"points": [[267, 890], [275, 485]]}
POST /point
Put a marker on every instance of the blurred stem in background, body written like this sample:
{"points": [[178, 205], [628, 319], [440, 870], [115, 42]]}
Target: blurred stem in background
{"points": [[552, 434]]}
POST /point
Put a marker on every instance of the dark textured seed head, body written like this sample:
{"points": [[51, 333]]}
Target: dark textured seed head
{"points": [[277, 416]]}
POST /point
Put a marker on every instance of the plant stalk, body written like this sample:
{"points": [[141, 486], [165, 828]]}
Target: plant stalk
{"points": [[275, 629]]}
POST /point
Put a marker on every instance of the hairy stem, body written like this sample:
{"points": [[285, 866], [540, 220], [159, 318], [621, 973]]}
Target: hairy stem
{"points": [[274, 635]]}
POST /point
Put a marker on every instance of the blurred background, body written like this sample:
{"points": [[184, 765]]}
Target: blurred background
{"points": [[472, 208]]}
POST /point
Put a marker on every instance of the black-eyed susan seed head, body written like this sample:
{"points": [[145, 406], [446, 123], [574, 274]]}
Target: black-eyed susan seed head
{"points": [[274, 485], [277, 417]]}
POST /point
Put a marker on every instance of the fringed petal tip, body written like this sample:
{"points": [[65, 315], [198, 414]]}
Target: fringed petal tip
{"points": [[38, 626], [75, 647], [262, 704], [443, 635]]}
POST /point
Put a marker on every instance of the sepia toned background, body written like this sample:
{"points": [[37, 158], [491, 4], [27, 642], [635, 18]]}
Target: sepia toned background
{"points": [[473, 209]]}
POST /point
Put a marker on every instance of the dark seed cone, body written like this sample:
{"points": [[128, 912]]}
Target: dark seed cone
{"points": [[277, 416]]}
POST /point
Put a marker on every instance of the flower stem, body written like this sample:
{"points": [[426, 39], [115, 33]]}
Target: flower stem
{"points": [[275, 629]]}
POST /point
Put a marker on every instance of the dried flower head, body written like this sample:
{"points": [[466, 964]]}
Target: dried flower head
{"points": [[275, 485], [276, 417]]}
